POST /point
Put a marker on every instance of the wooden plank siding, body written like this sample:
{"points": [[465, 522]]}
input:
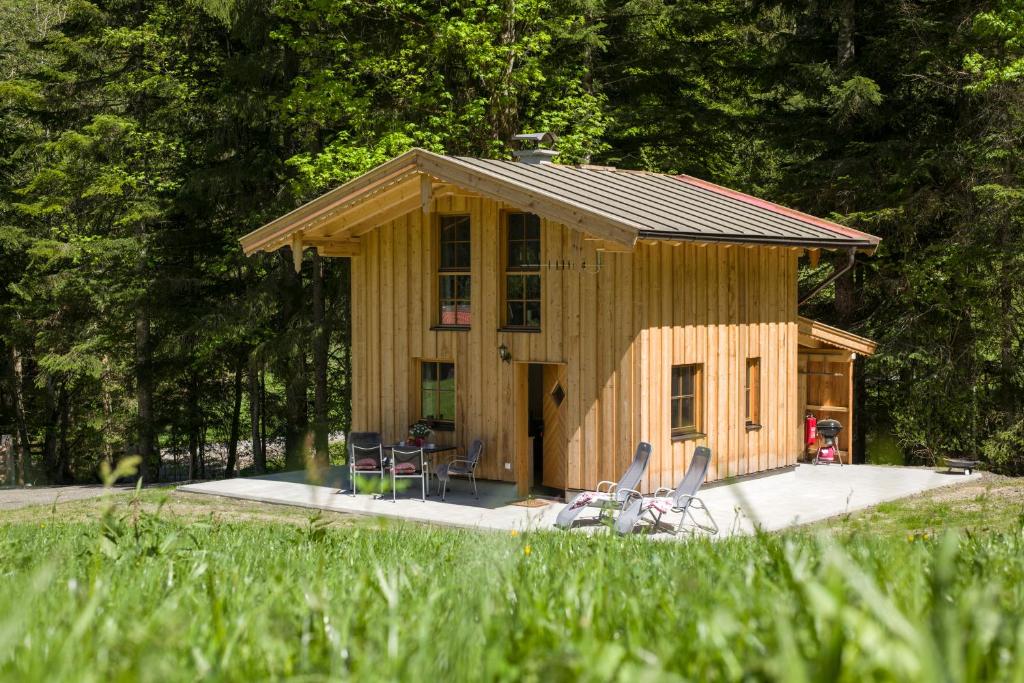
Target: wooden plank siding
{"points": [[618, 331]]}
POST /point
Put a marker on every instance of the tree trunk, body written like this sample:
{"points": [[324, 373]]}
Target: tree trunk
{"points": [[150, 468], [202, 451], [846, 297], [49, 465], [293, 370], [22, 452], [63, 464], [236, 420], [10, 463], [296, 426], [858, 440], [344, 324], [320, 346], [263, 414], [503, 115], [193, 430], [259, 456], [847, 25], [108, 413]]}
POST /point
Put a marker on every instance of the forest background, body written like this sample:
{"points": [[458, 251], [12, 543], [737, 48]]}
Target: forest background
{"points": [[140, 139]]}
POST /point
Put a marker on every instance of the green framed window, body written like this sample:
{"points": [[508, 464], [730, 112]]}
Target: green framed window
{"points": [[437, 394]]}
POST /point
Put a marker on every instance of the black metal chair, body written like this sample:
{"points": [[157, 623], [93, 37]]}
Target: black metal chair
{"points": [[461, 467]]}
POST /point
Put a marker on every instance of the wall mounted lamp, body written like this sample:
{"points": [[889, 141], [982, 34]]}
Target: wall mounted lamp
{"points": [[504, 354]]}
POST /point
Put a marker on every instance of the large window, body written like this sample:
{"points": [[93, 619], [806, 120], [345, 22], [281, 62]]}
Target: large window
{"points": [[686, 400], [522, 271], [453, 288], [752, 392], [437, 394]]}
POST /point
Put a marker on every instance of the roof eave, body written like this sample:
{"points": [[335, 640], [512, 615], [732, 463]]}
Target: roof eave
{"points": [[269, 236], [861, 245]]}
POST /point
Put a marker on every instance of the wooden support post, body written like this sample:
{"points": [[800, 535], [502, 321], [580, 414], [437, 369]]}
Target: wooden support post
{"points": [[426, 194], [297, 247]]}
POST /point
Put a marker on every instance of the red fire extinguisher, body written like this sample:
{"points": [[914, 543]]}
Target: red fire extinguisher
{"points": [[810, 429]]}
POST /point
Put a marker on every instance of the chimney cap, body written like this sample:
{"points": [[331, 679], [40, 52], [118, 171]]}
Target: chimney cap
{"points": [[538, 138], [535, 156]]}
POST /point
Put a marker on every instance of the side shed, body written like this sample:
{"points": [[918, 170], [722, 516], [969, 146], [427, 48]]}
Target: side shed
{"points": [[825, 357]]}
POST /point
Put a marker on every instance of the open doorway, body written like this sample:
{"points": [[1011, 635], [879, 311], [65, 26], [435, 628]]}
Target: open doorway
{"points": [[541, 429]]}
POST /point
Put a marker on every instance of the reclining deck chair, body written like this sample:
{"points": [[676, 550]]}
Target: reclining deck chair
{"points": [[609, 495], [682, 500]]}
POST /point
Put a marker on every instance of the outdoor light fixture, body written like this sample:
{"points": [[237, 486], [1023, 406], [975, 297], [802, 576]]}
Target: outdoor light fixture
{"points": [[504, 353]]}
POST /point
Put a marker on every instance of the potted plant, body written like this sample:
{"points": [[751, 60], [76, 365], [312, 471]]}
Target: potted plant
{"points": [[419, 432]]}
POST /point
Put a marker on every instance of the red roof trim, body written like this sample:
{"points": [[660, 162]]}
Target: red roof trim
{"points": [[777, 208]]}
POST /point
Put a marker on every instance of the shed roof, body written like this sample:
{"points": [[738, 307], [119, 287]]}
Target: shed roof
{"points": [[815, 334], [616, 205]]}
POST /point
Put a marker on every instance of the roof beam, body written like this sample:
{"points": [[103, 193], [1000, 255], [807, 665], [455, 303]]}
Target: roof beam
{"points": [[388, 213], [371, 210], [334, 247]]}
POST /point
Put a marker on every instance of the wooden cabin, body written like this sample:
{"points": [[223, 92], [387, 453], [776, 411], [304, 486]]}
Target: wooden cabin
{"points": [[565, 313]]}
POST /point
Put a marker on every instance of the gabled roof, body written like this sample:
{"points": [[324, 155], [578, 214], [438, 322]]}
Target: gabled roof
{"points": [[815, 334], [614, 205]]}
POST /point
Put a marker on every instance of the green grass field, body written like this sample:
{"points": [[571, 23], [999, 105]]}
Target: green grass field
{"points": [[173, 587]]}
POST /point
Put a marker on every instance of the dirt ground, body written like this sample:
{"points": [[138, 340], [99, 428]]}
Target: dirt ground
{"points": [[14, 498], [81, 503]]}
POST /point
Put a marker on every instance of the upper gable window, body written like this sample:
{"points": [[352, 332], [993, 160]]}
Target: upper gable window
{"points": [[453, 272], [522, 271]]}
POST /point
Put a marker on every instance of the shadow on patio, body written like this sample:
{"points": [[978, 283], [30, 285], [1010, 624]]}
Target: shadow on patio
{"points": [[493, 494]]}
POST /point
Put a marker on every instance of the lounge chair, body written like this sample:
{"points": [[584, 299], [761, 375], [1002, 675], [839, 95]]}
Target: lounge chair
{"points": [[407, 463], [609, 495], [461, 467], [365, 456], [682, 500]]}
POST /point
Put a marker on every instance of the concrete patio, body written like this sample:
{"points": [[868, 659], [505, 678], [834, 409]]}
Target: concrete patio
{"points": [[800, 496]]}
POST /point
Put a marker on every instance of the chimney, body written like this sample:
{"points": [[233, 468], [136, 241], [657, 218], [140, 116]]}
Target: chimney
{"points": [[535, 148]]}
